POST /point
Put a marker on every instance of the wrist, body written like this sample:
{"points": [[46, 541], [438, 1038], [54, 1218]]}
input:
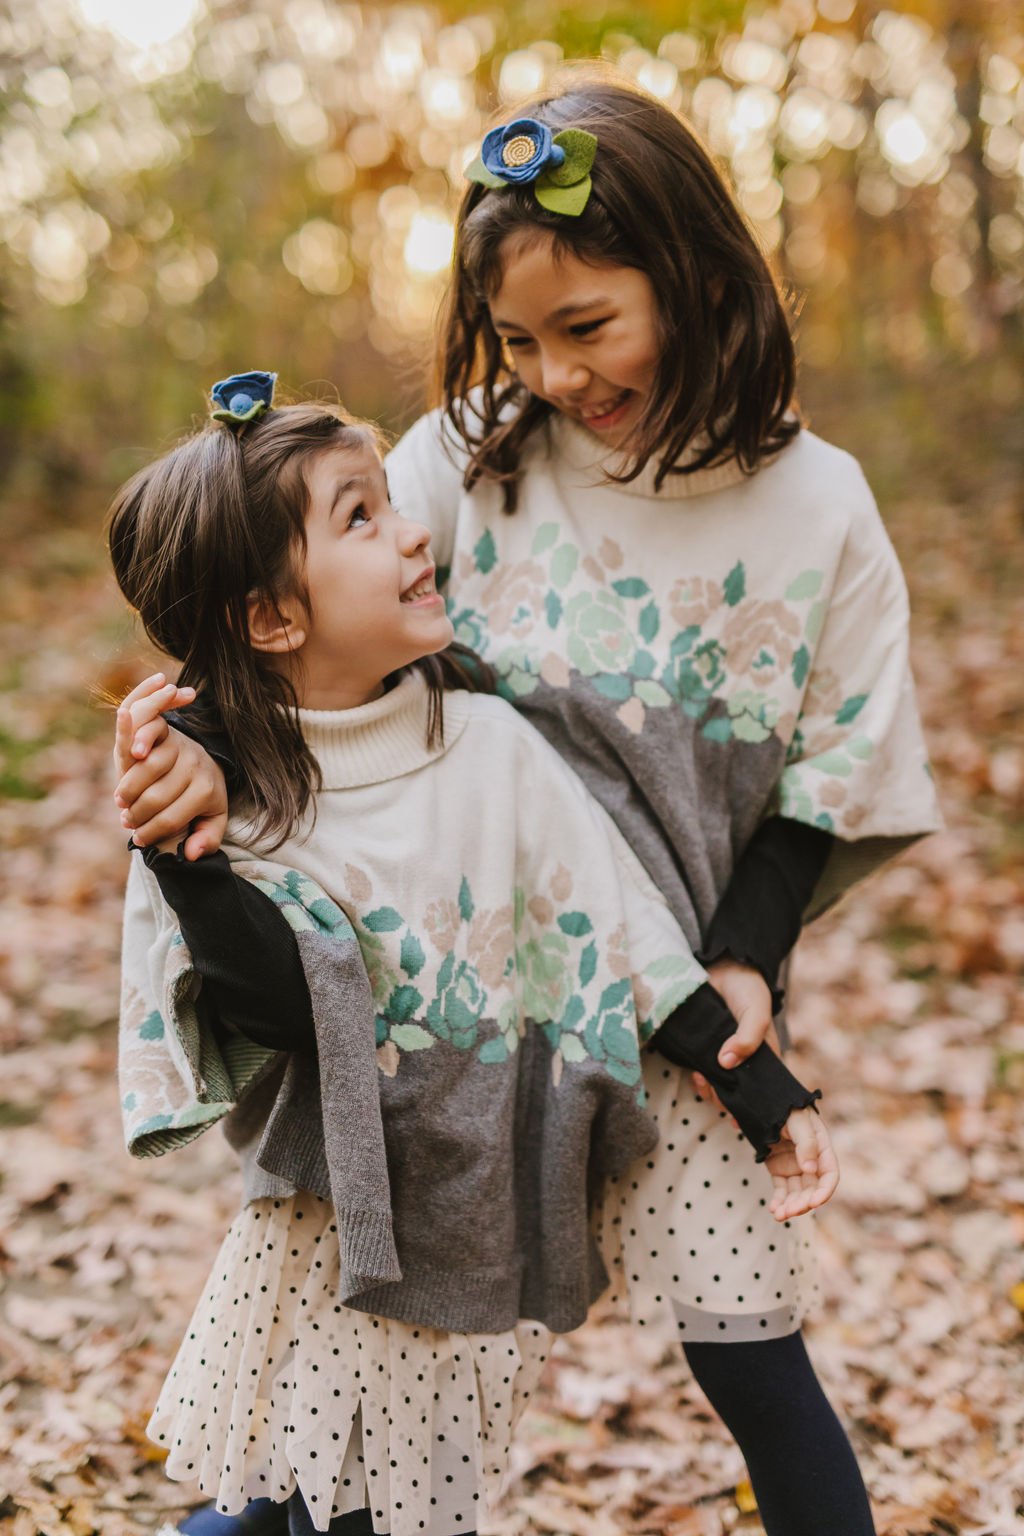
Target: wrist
{"points": [[722, 965]]}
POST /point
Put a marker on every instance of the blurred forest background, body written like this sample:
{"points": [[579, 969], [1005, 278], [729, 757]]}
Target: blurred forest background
{"points": [[193, 187]]}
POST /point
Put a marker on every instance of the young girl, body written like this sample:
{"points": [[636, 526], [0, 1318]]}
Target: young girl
{"points": [[418, 1148], [693, 598]]}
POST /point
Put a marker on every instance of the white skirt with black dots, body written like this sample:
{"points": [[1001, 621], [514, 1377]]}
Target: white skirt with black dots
{"points": [[277, 1387], [687, 1235]]}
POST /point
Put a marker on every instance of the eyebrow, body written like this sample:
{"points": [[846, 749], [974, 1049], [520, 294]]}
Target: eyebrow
{"points": [[561, 313], [357, 482]]}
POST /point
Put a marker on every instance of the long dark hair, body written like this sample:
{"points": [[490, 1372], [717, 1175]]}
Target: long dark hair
{"points": [[724, 388], [220, 516]]}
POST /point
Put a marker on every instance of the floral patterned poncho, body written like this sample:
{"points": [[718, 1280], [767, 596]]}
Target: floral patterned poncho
{"points": [[517, 956], [725, 649]]}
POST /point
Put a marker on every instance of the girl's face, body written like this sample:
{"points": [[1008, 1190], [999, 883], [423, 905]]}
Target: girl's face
{"points": [[372, 605], [584, 338]]}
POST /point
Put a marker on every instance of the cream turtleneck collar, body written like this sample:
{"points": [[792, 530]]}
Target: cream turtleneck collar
{"points": [[383, 739], [573, 444]]}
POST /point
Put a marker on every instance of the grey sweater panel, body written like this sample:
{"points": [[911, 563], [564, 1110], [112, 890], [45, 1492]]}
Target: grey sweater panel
{"points": [[461, 1196], [687, 806], [491, 1202]]}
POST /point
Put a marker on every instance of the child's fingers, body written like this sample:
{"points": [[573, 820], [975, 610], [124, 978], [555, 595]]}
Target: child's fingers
{"points": [[783, 1203], [182, 802], [750, 1034], [122, 743], [169, 794], [156, 683], [755, 1028], [828, 1162], [168, 697], [142, 776], [705, 1090], [206, 836], [142, 690], [800, 1128], [798, 1188], [148, 708], [792, 1198], [148, 736]]}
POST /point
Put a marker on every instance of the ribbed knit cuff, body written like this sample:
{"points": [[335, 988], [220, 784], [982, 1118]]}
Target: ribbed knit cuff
{"points": [[368, 1254]]}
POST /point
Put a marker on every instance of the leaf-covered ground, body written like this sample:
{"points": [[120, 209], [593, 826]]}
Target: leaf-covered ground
{"points": [[907, 1011]]}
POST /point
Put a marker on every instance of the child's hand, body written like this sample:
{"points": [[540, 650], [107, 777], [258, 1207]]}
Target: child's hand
{"points": [[167, 781], [750, 1001], [140, 722], [803, 1166]]}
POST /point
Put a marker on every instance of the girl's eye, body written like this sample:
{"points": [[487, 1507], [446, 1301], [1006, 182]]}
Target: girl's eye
{"points": [[587, 327], [359, 517], [517, 341]]}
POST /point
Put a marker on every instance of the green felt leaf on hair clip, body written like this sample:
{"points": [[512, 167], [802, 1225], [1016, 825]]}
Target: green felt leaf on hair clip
{"points": [[524, 153], [477, 171], [239, 418], [571, 200], [579, 148], [243, 397]]}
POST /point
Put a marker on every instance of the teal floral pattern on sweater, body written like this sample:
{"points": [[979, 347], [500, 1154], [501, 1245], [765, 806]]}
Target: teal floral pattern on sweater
{"points": [[737, 665], [539, 962]]}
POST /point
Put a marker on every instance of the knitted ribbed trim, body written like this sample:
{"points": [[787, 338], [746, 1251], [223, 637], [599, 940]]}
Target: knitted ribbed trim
{"points": [[368, 1253], [381, 740], [575, 445]]}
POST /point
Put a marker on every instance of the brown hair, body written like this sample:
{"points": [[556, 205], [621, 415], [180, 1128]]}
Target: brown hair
{"points": [[191, 536], [725, 383]]}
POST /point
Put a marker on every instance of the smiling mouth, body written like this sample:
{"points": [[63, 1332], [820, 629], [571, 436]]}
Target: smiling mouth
{"points": [[422, 587], [605, 407]]}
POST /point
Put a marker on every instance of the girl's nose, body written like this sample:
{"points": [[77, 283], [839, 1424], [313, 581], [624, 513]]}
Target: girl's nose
{"points": [[563, 374], [412, 535]]}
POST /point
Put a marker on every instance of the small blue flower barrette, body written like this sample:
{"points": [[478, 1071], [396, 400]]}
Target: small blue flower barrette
{"points": [[526, 151], [243, 397]]}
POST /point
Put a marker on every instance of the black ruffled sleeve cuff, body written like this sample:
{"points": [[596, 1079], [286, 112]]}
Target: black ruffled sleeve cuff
{"points": [[761, 1093]]}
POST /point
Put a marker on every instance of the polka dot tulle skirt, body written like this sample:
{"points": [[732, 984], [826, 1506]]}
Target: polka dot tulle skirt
{"points": [[276, 1386], [687, 1235]]}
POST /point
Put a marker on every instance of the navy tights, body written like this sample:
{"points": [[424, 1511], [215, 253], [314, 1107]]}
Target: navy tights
{"points": [[802, 1467]]}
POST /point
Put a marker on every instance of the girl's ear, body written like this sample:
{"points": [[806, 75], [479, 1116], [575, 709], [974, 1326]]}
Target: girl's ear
{"points": [[275, 627]]}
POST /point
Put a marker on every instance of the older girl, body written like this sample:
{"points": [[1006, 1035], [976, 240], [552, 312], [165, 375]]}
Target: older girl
{"points": [[694, 599]]}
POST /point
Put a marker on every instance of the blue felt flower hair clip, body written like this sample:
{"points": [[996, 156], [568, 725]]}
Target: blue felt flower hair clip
{"points": [[243, 397], [558, 165]]}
